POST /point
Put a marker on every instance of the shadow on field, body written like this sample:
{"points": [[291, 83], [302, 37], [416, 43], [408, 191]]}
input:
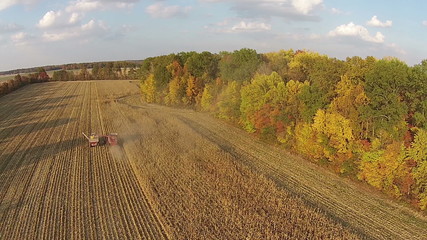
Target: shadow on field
{"points": [[24, 101], [25, 109], [32, 155], [24, 129]]}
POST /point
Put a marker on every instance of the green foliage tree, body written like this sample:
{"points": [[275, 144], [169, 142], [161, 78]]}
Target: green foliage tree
{"points": [[385, 87], [312, 99], [229, 102], [416, 94], [204, 64], [240, 65], [63, 75], [279, 62], [357, 67]]}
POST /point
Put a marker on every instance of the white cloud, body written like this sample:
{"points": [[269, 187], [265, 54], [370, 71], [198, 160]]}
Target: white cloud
{"points": [[336, 11], [353, 30], [238, 26], [161, 10], [293, 10], [83, 6], [74, 18], [8, 3], [91, 5], [84, 32], [21, 38], [374, 22], [425, 23], [243, 26], [49, 19], [305, 6], [57, 19]]}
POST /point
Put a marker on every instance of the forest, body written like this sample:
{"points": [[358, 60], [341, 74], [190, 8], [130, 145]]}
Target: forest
{"points": [[365, 119]]}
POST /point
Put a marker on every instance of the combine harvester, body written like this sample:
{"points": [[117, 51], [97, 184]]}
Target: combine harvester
{"points": [[95, 139]]}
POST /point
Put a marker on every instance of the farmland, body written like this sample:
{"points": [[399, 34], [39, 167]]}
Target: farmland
{"points": [[177, 174]]}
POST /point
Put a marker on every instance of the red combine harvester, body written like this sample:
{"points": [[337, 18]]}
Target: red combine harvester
{"points": [[95, 139]]}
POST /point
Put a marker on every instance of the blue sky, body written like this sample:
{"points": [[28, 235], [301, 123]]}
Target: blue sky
{"points": [[45, 32]]}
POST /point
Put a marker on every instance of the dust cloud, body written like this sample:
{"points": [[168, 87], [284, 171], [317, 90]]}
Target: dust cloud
{"points": [[117, 152]]}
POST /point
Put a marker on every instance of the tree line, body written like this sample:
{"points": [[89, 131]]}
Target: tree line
{"points": [[69, 66], [19, 81], [362, 118], [73, 72], [98, 71]]}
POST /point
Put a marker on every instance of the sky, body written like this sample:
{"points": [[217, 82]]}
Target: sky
{"points": [[46, 32]]}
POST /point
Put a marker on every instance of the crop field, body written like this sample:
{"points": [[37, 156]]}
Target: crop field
{"points": [[176, 174], [6, 77]]}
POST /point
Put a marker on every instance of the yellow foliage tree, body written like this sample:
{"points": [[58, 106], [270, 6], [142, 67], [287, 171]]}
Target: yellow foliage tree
{"points": [[306, 142], [384, 168], [333, 133], [350, 97], [418, 153], [207, 98], [148, 89], [176, 91]]}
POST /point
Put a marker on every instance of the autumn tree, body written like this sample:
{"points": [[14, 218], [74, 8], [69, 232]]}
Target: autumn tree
{"points": [[263, 89], [149, 90], [384, 168], [418, 153], [207, 98], [178, 84], [306, 141], [84, 74], [350, 97], [193, 91], [42, 75]]}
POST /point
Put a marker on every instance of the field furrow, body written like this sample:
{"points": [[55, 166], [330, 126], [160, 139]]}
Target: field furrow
{"points": [[53, 186]]}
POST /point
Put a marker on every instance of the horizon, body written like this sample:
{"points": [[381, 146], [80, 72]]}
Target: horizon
{"points": [[61, 32]]}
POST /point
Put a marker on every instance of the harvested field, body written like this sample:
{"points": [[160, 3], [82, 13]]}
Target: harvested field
{"points": [[176, 174]]}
